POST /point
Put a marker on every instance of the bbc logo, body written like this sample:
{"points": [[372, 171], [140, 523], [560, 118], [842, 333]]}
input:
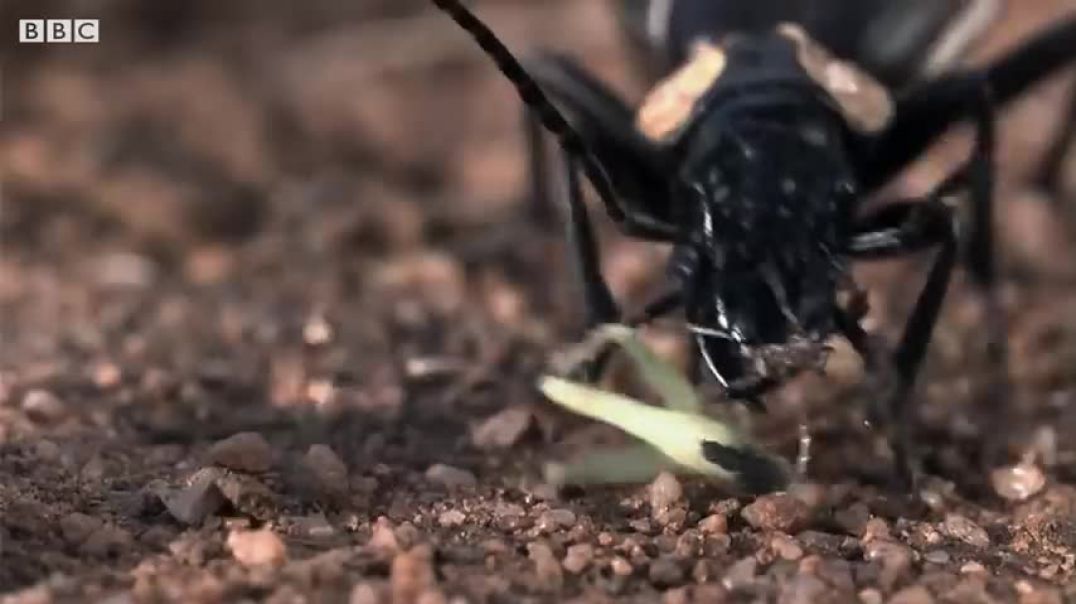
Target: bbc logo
{"points": [[59, 30]]}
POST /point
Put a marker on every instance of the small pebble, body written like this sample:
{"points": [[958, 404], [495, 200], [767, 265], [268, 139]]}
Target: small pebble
{"points": [[578, 557], [412, 574], [451, 518], [328, 470], [937, 556], [803, 588], [665, 572], [1038, 595], [923, 534], [621, 567], [382, 536], [76, 527], [972, 567], [933, 499], [642, 526], [365, 593], [777, 512], [107, 375], [1019, 482], [545, 565], [192, 549], [679, 595], [407, 535], [494, 546], [836, 572], [704, 571], [916, 594], [314, 526], [665, 492], [195, 502], [741, 574], [552, 520], [503, 429], [876, 528], [257, 548], [853, 519], [813, 495], [894, 558], [714, 524], [125, 270], [963, 529], [509, 510], [43, 406], [450, 477], [432, 596], [244, 452], [93, 470], [786, 547], [46, 450], [870, 596], [107, 541], [317, 331]]}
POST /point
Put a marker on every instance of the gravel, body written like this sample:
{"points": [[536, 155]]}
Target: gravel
{"points": [[578, 558], [43, 406], [244, 452], [193, 503], [963, 529], [1019, 482], [328, 471], [257, 548], [450, 477], [665, 492], [297, 363], [503, 429], [777, 512]]}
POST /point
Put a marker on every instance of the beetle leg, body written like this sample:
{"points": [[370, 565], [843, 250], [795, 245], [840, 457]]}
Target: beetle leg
{"points": [[977, 247], [1050, 173], [613, 185], [926, 111], [597, 297], [539, 177], [660, 305], [931, 221], [606, 125]]}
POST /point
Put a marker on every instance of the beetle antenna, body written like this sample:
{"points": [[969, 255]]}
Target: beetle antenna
{"points": [[531, 94]]}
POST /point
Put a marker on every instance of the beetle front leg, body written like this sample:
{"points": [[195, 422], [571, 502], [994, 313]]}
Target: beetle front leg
{"points": [[977, 251], [605, 123], [914, 226]]}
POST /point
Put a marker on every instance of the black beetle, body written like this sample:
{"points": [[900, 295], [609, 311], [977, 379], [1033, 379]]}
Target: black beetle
{"points": [[752, 157]]}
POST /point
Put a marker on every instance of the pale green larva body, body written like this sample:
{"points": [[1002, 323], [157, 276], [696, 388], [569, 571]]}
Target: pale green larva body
{"points": [[674, 434]]}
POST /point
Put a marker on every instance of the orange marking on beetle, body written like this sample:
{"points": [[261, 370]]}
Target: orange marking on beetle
{"points": [[863, 101], [668, 106]]}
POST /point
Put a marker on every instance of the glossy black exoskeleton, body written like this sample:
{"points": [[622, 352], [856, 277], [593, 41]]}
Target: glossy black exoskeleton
{"points": [[898, 41], [751, 158]]}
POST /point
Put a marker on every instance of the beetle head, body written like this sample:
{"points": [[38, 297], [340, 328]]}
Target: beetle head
{"points": [[766, 209]]}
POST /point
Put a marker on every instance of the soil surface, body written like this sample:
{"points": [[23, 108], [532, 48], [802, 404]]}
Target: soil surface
{"points": [[272, 307]]}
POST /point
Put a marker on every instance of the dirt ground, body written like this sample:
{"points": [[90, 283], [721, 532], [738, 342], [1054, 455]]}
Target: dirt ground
{"points": [[271, 316]]}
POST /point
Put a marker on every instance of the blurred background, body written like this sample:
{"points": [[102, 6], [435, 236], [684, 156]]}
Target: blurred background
{"points": [[258, 215]]}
